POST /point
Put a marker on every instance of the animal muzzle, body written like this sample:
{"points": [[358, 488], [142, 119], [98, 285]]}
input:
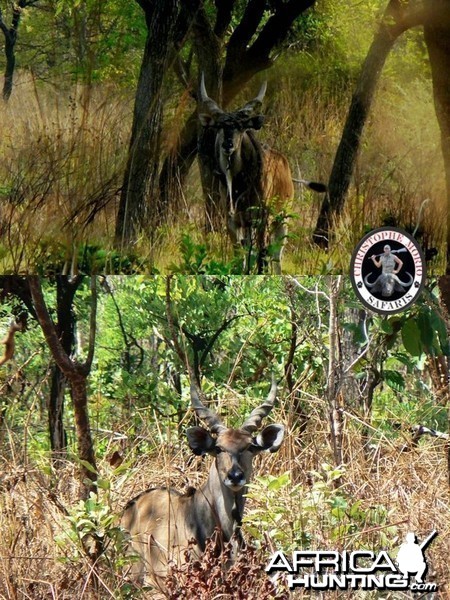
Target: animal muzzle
{"points": [[235, 479], [228, 148]]}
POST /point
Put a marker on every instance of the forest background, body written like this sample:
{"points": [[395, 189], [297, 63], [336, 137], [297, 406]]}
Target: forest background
{"points": [[68, 115], [89, 422]]}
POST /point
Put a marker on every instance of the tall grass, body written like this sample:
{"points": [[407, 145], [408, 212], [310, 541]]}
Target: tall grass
{"points": [[396, 488], [399, 165], [62, 155], [63, 152]]}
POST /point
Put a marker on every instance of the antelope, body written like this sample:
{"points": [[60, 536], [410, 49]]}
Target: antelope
{"points": [[9, 341], [162, 521], [254, 181]]}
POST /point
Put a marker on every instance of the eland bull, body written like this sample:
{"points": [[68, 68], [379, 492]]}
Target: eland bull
{"points": [[162, 521], [255, 183]]}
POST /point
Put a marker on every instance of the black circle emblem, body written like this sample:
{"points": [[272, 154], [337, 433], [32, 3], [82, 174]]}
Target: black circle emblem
{"points": [[387, 270]]}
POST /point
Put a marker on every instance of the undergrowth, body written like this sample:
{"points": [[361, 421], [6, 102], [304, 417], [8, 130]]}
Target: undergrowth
{"points": [[55, 546], [63, 153]]}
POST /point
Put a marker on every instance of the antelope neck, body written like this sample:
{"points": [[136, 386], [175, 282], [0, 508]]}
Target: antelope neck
{"points": [[224, 506]]}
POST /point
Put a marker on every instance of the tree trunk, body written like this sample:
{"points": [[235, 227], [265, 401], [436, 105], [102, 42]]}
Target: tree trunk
{"points": [[58, 438], [437, 40], [77, 375], [10, 42], [138, 202], [399, 16], [85, 443], [65, 326], [348, 148]]}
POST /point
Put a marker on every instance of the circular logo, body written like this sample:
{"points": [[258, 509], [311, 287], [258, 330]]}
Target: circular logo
{"points": [[387, 270]]}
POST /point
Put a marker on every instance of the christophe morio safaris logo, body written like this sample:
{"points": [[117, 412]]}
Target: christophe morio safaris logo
{"points": [[357, 570], [387, 270]]}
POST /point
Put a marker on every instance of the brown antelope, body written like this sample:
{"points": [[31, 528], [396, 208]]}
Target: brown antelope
{"points": [[9, 341], [254, 181], [161, 521]]}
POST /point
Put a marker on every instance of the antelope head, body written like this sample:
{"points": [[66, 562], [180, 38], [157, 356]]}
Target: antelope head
{"points": [[230, 128], [234, 449]]}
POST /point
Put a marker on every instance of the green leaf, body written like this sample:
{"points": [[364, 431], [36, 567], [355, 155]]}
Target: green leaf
{"points": [[395, 380], [339, 502], [411, 337], [279, 482], [338, 513], [386, 326], [405, 359], [426, 330], [103, 484], [355, 510], [440, 327]]}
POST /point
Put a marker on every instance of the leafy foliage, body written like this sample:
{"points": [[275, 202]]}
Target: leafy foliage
{"points": [[291, 515], [238, 331]]}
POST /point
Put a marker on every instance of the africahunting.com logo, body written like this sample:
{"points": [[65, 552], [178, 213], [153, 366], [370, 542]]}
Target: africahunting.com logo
{"points": [[387, 270], [358, 570]]}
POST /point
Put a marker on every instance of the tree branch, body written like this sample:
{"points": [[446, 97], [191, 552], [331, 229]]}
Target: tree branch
{"points": [[223, 17], [214, 338], [244, 62], [86, 367], [17, 14], [276, 28], [61, 358], [246, 29]]}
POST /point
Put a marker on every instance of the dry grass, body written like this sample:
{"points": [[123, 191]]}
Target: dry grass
{"points": [[62, 159], [399, 166], [408, 487], [63, 153]]}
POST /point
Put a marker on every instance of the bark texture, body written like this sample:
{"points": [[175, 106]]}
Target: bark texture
{"points": [[437, 38], [10, 35], [65, 326], [139, 190], [399, 16], [76, 373]]}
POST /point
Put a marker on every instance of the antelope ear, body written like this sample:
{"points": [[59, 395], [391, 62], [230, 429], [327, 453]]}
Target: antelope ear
{"points": [[255, 122], [206, 120], [200, 440], [270, 438]]}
